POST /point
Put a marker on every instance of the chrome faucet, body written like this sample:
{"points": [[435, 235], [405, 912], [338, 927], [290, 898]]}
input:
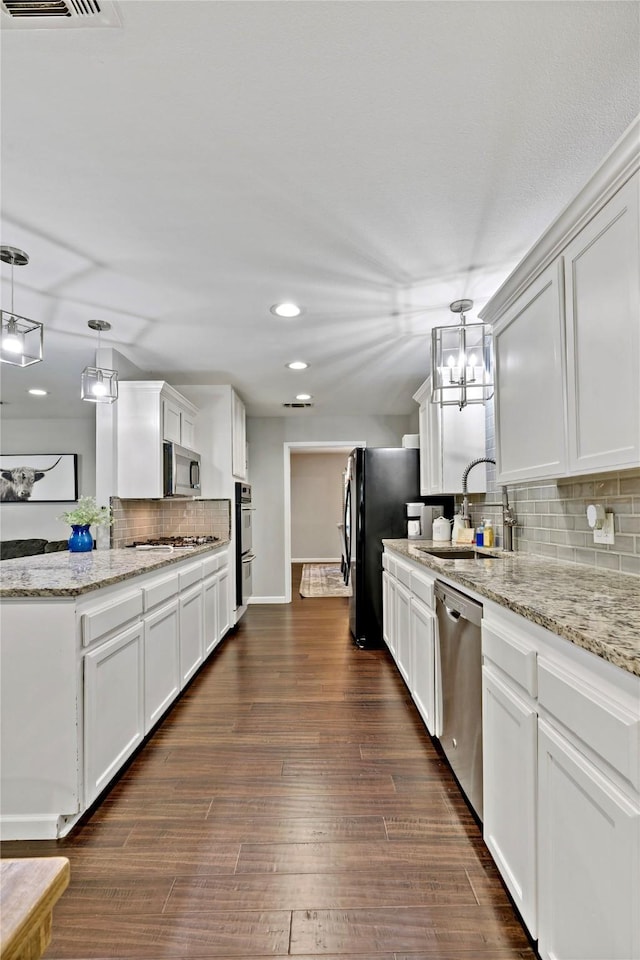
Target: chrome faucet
{"points": [[508, 519], [508, 522], [465, 498]]}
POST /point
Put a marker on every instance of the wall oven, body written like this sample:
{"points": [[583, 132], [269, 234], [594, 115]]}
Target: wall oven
{"points": [[244, 545]]}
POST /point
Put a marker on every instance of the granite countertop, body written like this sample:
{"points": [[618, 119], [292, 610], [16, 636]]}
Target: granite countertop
{"points": [[67, 574], [598, 610]]}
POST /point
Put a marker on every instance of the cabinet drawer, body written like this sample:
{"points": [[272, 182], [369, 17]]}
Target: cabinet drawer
{"points": [[190, 576], [422, 587], [514, 656], [403, 572], [609, 728], [389, 563], [103, 620], [159, 591], [211, 564]]}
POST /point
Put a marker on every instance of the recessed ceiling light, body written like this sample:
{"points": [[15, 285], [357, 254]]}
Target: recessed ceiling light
{"points": [[303, 396], [297, 365], [36, 392], [286, 310]]}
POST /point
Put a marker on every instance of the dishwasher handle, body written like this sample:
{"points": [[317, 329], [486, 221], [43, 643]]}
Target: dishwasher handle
{"points": [[451, 613]]}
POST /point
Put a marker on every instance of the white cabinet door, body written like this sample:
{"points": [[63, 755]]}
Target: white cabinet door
{"points": [[602, 277], [171, 416], [403, 632], [187, 430], [530, 388], [423, 683], [191, 633], [113, 707], [589, 858], [389, 612], [224, 603], [462, 434], [210, 591], [161, 662], [238, 437], [509, 738], [449, 439]]}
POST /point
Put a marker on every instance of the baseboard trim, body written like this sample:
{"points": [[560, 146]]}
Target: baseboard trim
{"points": [[267, 600], [316, 560]]}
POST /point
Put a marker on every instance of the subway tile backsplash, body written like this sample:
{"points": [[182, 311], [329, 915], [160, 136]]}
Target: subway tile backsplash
{"points": [[141, 519], [552, 515]]}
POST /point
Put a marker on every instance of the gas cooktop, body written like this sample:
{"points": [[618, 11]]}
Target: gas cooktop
{"points": [[166, 543]]}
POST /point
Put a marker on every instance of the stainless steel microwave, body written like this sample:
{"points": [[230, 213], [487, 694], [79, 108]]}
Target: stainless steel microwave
{"points": [[181, 471]]}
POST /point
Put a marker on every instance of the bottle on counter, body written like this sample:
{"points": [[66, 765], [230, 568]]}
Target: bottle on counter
{"points": [[480, 534], [488, 535]]}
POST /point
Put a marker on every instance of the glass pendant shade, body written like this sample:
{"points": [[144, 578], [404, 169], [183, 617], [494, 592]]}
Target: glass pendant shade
{"points": [[461, 362], [20, 341], [99, 385], [20, 338]]}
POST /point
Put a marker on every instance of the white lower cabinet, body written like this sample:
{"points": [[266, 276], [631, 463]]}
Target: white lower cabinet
{"points": [[191, 633], [409, 631], [561, 767], [561, 763], [423, 681], [161, 662], [510, 730], [113, 707], [589, 858], [389, 588], [210, 590], [224, 603], [403, 632], [105, 667]]}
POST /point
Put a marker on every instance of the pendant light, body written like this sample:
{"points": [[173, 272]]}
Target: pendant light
{"points": [[20, 338], [461, 355], [99, 384]]}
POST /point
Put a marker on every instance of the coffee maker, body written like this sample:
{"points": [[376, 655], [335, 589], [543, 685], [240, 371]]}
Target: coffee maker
{"points": [[414, 520], [420, 517]]}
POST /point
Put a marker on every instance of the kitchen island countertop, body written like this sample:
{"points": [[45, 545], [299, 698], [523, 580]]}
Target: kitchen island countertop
{"points": [[68, 574], [598, 610]]}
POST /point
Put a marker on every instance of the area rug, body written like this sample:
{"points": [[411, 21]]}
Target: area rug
{"points": [[323, 580]]}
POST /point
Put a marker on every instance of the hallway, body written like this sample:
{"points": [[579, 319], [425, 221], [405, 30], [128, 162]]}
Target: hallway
{"points": [[291, 803]]}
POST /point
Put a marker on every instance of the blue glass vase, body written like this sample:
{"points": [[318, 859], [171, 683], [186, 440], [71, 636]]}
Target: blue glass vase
{"points": [[80, 540]]}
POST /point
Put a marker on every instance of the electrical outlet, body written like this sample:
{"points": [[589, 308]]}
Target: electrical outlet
{"points": [[605, 533]]}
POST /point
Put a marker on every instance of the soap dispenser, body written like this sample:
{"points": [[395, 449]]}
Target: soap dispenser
{"points": [[488, 533]]}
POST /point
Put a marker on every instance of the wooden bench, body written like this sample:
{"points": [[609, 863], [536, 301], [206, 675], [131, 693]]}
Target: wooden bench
{"points": [[29, 888]]}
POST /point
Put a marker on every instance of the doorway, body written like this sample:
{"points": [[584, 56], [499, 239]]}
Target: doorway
{"points": [[342, 447]]}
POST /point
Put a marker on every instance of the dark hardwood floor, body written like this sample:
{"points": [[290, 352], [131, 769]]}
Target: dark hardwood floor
{"points": [[291, 803]]}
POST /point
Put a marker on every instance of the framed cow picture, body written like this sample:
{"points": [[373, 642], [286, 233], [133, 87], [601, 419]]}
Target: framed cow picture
{"points": [[39, 478]]}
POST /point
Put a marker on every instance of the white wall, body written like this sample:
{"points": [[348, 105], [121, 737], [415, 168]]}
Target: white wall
{"points": [[316, 505], [18, 520], [266, 438]]}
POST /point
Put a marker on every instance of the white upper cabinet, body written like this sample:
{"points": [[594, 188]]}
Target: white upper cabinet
{"points": [[567, 335], [178, 420], [530, 404], [449, 440], [238, 437], [149, 411], [602, 280]]}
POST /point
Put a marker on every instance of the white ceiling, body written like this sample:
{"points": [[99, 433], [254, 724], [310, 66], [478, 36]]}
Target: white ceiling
{"points": [[370, 160]]}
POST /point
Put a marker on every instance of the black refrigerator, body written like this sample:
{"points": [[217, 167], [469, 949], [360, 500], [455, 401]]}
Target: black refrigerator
{"points": [[379, 482]]}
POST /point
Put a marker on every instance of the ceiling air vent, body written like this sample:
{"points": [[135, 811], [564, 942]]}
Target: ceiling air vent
{"points": [[59, 13], [296, 405]]}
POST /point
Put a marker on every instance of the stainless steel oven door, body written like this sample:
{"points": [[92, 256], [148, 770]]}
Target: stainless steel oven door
{"points": [[247, 566], [246, 538]]}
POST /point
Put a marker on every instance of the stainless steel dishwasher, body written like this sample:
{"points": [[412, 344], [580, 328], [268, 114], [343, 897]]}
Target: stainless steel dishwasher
{"points": [[459, 619]]}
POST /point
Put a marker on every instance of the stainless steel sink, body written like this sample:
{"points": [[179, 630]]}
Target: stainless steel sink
{"points": [[459, 554]]}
